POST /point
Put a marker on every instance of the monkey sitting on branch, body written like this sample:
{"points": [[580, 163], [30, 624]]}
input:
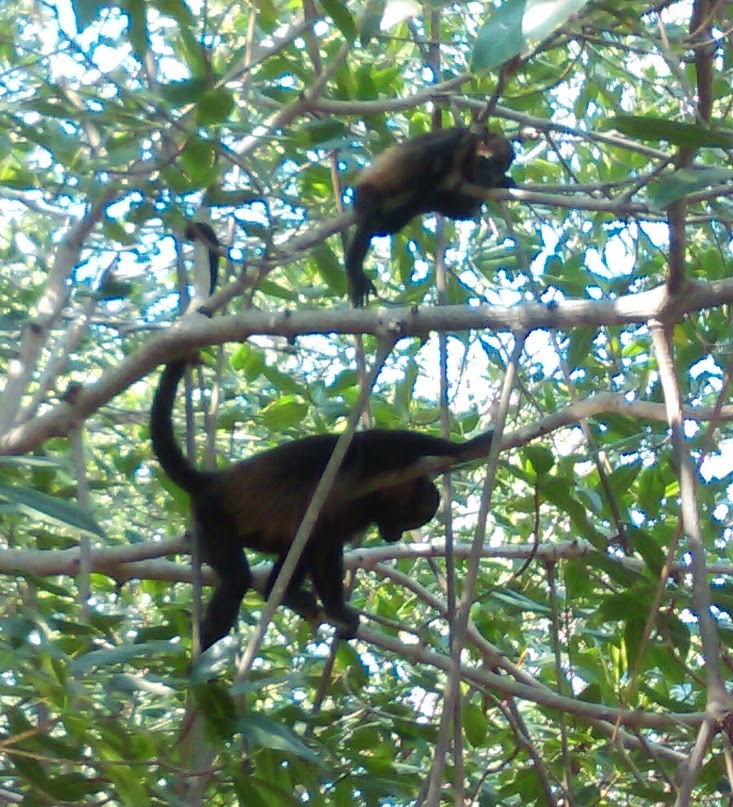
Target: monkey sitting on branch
{"points": [[446, 171]]}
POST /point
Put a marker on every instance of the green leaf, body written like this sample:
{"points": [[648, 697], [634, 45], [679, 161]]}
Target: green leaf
{"points": [[218, 707], [237, 198], [633, 632], [500, 38], [678, 632], [112, 289], [138, 27], [516, 27], [255, 792], [49, 508], [623, 477], [182, 93], [679, 184], [248, 360], [519, 602], [285, 383], [127, 784], [371, 21], [70, 788], [540, 457], [647, 546], [114, 656], [475, 724], [122, 149], [342, 18], [85, 12], [655, 129], [175, 179], [580, 343], [651, 490], [560, 491], [18, 178], [331, 269], [176, 9], [214, 106], [268, 733], [284, 413], [198, 161]]}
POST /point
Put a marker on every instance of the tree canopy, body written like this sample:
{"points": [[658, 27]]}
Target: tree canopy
{"points": [[560, 634]]}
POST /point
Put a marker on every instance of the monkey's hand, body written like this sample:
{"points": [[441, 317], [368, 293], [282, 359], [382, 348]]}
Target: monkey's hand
{"points": [[360, 289]]}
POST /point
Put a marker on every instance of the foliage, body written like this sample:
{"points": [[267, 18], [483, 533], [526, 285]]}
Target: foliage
{"points": [[119, 122]]}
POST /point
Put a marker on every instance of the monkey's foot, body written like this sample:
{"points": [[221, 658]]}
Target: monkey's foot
{"points": [[346, 621]]}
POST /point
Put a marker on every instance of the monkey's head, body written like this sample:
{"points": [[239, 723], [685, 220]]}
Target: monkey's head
{"points": [[405, 507], [494, 154]]}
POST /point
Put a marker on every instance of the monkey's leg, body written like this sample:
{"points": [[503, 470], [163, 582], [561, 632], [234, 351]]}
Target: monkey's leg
{"points": [[303, 602], [327, 573], [228, 561]]}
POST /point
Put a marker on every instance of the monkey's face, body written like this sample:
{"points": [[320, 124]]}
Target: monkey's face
{"points": [[494, 154], [406, 507]]}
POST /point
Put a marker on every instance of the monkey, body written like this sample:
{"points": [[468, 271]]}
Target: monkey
{"points": [[259, 503], [439, 172]]}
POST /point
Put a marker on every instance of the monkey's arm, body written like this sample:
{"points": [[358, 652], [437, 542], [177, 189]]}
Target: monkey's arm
{"points": [[360, 287], [483, 192]]}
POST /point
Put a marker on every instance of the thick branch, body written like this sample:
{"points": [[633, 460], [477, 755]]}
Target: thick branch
{"points": [[144, 561], [195, 331]]}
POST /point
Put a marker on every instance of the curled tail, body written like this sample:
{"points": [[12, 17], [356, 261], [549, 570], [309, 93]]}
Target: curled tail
{"points": [[205, 234], [360, 287], [172, 460]]}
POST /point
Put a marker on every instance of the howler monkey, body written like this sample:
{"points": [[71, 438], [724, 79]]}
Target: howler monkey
{"points": [[260, 502], [431, 173]]}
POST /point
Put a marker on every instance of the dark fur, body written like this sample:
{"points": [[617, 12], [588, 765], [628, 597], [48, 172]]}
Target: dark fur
{"points": [[260, 502], [426, 174], [205, 234]]}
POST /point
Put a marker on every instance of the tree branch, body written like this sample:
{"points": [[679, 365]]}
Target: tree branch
{"points": [[195, 331]]}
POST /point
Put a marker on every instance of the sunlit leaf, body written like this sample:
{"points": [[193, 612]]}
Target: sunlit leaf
{"points": [[51, 509], [516, 26]]}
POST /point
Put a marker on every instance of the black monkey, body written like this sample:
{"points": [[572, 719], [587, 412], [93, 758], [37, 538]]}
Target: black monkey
{"points": [[260, 502], [431, 173]]}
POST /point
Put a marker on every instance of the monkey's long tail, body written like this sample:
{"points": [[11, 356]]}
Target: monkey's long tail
{"points": [[166, 449], [205, 234], [359, 284]]}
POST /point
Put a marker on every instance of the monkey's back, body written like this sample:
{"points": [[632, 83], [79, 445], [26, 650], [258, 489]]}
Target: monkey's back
{"points": [[419, 161], [266, 496], [261, 501], [421, 175]]}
